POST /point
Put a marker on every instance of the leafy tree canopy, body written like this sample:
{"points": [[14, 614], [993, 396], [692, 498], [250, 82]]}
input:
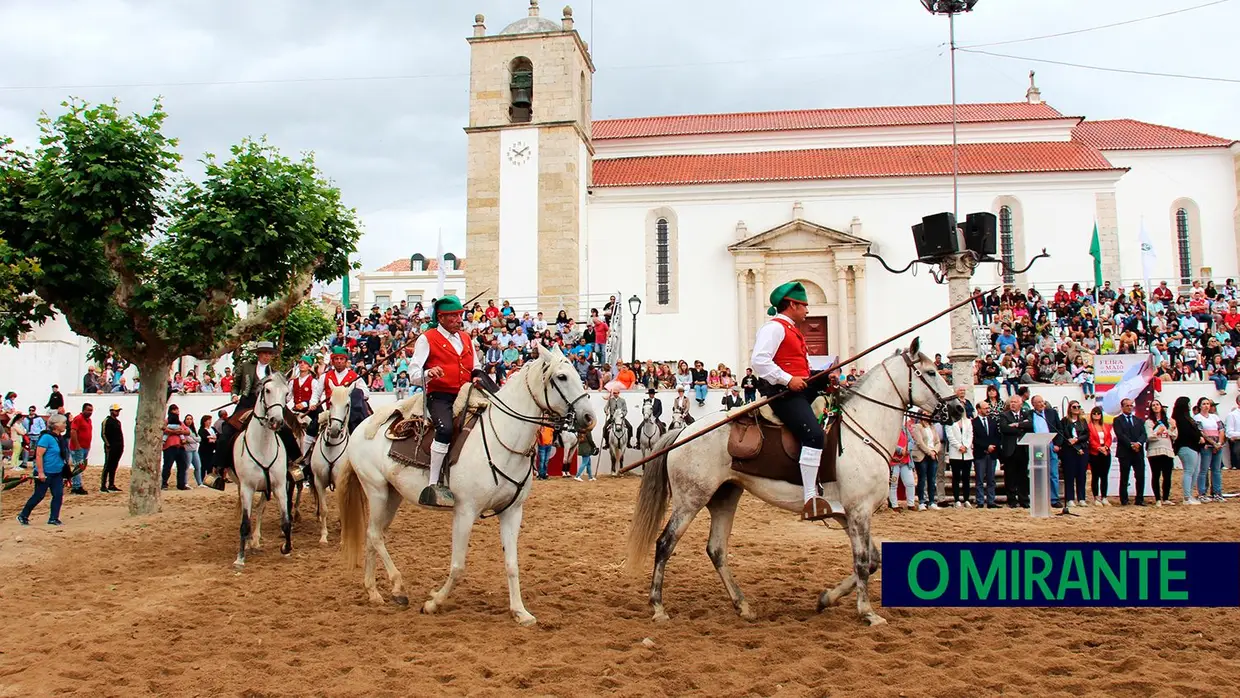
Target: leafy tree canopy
{"points": [[304, 328]]}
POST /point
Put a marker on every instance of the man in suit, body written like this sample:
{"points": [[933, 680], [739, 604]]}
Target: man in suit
{"points": [[1130, 450], [1046, 420], [1014, 424], [656, 405], [246, 380], [986, 444]]}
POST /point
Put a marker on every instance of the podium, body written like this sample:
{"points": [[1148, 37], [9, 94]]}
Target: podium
{"points": [[1039, 473]]}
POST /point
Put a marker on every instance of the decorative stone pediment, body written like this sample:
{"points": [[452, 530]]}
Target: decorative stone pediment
{"points": [[800, 236]]}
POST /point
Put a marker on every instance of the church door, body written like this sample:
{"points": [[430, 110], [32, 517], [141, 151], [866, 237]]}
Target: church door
{"points": [[815, 331]]}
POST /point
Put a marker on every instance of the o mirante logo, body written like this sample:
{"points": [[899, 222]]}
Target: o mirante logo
{"points": [[1061, 574]]}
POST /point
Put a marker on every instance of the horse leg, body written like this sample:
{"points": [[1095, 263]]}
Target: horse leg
{"points": [[509, 529], [256, 538], [387, 514], [865, 562], [295, 506], [246, 504], [462, 525], [320, 508], [377, 497], [722, 508], [284, 495], [682, 515]]}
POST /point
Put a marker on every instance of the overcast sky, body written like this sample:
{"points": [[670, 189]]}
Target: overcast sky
{"points": [[379, 88]]}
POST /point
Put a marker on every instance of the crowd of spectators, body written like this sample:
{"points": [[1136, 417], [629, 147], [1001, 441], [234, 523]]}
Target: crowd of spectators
{"points": [[1192, 332]]}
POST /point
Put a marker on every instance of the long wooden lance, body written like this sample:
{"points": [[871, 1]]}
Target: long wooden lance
{"points": [[814, 378]]}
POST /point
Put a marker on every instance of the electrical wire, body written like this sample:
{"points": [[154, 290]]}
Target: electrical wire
{"points": [[1104, 69], [1103, 26]]}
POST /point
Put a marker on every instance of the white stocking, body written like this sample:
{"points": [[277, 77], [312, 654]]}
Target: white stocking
{"points": [[439, 451], [307, 446], [810, 459]]}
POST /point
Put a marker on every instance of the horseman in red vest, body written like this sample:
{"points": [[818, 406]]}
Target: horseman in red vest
{"points": [[341, 374], [306, 398], [781, 360], [444, 360]]}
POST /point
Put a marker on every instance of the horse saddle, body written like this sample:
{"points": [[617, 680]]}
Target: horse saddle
{"points": [[411, 438], [764, 448]]}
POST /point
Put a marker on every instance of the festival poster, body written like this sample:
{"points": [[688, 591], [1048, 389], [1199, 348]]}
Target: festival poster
{"points": [[1120, 376]]}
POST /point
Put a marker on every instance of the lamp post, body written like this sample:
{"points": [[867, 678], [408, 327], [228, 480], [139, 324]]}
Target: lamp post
{"points": [[635, 305], [951, 8]]}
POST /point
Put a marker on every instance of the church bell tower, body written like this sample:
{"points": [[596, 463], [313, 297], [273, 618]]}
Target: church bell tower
{"points": [[529, 161]]}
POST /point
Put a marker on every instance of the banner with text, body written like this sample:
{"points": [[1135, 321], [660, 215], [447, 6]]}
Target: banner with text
{"points": [[1120, 376]]}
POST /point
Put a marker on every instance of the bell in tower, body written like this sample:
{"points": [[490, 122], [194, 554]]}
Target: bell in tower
{"points": [[522, 86]]}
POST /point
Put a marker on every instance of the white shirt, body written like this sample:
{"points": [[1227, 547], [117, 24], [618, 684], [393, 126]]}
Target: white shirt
{"points": [[261, 370], [422, 352], [316, 390], [359, 383], [770, 336], [1232, 428]]}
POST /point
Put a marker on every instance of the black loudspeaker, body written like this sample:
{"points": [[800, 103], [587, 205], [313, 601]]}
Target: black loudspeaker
{"points": [[980, 233], [936, 236]]}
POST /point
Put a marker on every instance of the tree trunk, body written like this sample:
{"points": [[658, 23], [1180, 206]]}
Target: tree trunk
{"points": [[148, 436]]}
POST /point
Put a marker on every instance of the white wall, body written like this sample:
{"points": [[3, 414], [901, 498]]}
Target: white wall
{"points": [[1157, 179], [1058, 215], [518, 215], [397, 285]]}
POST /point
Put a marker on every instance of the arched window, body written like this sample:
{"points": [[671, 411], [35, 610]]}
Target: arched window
{"points": [[1007, 243], [450, 260], [662, 261], [417, 263], [1184, 245], [663, 265], [521, 85]]}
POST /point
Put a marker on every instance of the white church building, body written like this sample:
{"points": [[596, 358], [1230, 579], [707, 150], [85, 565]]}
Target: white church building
{"points": [[701, 215]]}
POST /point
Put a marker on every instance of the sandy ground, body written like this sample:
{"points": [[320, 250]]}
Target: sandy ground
{"points": [[112, 606]]}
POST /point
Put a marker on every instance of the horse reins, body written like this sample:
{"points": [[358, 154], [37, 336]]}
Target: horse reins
{"points": [[245, 440]]}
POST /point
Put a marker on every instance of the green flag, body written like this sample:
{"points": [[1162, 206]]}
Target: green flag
{"points": [[344, 294], [1095, 251]]}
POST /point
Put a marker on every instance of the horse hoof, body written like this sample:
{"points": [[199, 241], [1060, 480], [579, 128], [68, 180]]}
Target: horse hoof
{"points": [[747, 614], [661, 617], [286, 550], [525, 620], [826, 600], [874, 619], [323, 540], [430, 607], [401, 600], [239, 565], [375, 598]]}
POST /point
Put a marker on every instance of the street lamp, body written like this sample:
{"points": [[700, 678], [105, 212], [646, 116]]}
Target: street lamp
{"points": [[951, 8], [635, 305]]}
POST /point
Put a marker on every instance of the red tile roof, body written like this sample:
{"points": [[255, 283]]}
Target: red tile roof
{"points": [[654, 126], [431, 265], [1127, 134], [847, 163]]}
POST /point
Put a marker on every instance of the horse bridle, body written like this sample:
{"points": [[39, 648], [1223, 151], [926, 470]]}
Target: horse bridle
{"points": [[262, 422], [327, 442]]}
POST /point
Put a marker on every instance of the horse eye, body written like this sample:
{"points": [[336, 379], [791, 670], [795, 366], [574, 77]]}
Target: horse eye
{"points": [[562, 377]]}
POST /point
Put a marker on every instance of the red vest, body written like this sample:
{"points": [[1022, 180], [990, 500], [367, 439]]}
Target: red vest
{"points": [[303, 393], [792, 355], [329, 382], [456, 367]]}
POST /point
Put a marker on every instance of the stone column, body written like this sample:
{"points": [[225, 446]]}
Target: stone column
{"points": [[964, 341], [862, 312], [742, 319], [841, 302], [760, 299]]}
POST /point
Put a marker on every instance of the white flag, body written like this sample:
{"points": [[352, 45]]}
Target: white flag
{"points": [[440, 275], [1149, 258]]}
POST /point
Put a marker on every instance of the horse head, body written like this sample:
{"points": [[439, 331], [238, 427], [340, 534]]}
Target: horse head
{"points": [[925, 387], [647, 410], [338, 412], [562, 392], [272, 396]]}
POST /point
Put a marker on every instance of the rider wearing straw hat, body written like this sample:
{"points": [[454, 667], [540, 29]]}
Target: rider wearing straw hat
{"points": [[781, 360], [444, 359]]}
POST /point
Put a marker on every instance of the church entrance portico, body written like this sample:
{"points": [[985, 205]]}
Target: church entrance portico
{"points": [[827, 262]]}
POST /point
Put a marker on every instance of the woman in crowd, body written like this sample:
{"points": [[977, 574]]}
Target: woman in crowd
{"points": [[1074, 454], [1218, 373], [192, 441], [174, 449], [1160, 438], [726, 381], [902, 470], [960, 458], [925, 455], [51, 459], [1187, 443], [206, 447], [1209, 477], [1100, 440], [712, 380], [993, 399], [586, 449], [684, 379]]}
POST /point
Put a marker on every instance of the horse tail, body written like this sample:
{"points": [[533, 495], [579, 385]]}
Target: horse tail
{"points": [[651, 507], [353, 513]]}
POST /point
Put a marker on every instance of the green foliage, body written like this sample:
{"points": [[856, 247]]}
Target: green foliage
{"points": [[102, 226], [304, 328]]}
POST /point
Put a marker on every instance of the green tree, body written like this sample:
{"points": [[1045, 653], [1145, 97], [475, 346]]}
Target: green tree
{"points": [[307, 325], [101, 226]]}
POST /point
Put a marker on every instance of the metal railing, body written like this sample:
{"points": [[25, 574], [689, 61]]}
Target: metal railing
{"points": [[615, 332]]}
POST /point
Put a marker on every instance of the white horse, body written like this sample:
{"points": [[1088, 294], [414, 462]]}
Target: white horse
{"points": [[678, 420], [261, 463], [700, 474], [329, 450], [618, 432], [648, 430], [492, 474]]}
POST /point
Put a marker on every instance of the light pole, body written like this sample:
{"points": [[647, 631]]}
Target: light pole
{"points": [[951, 8], [635, 305]]}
